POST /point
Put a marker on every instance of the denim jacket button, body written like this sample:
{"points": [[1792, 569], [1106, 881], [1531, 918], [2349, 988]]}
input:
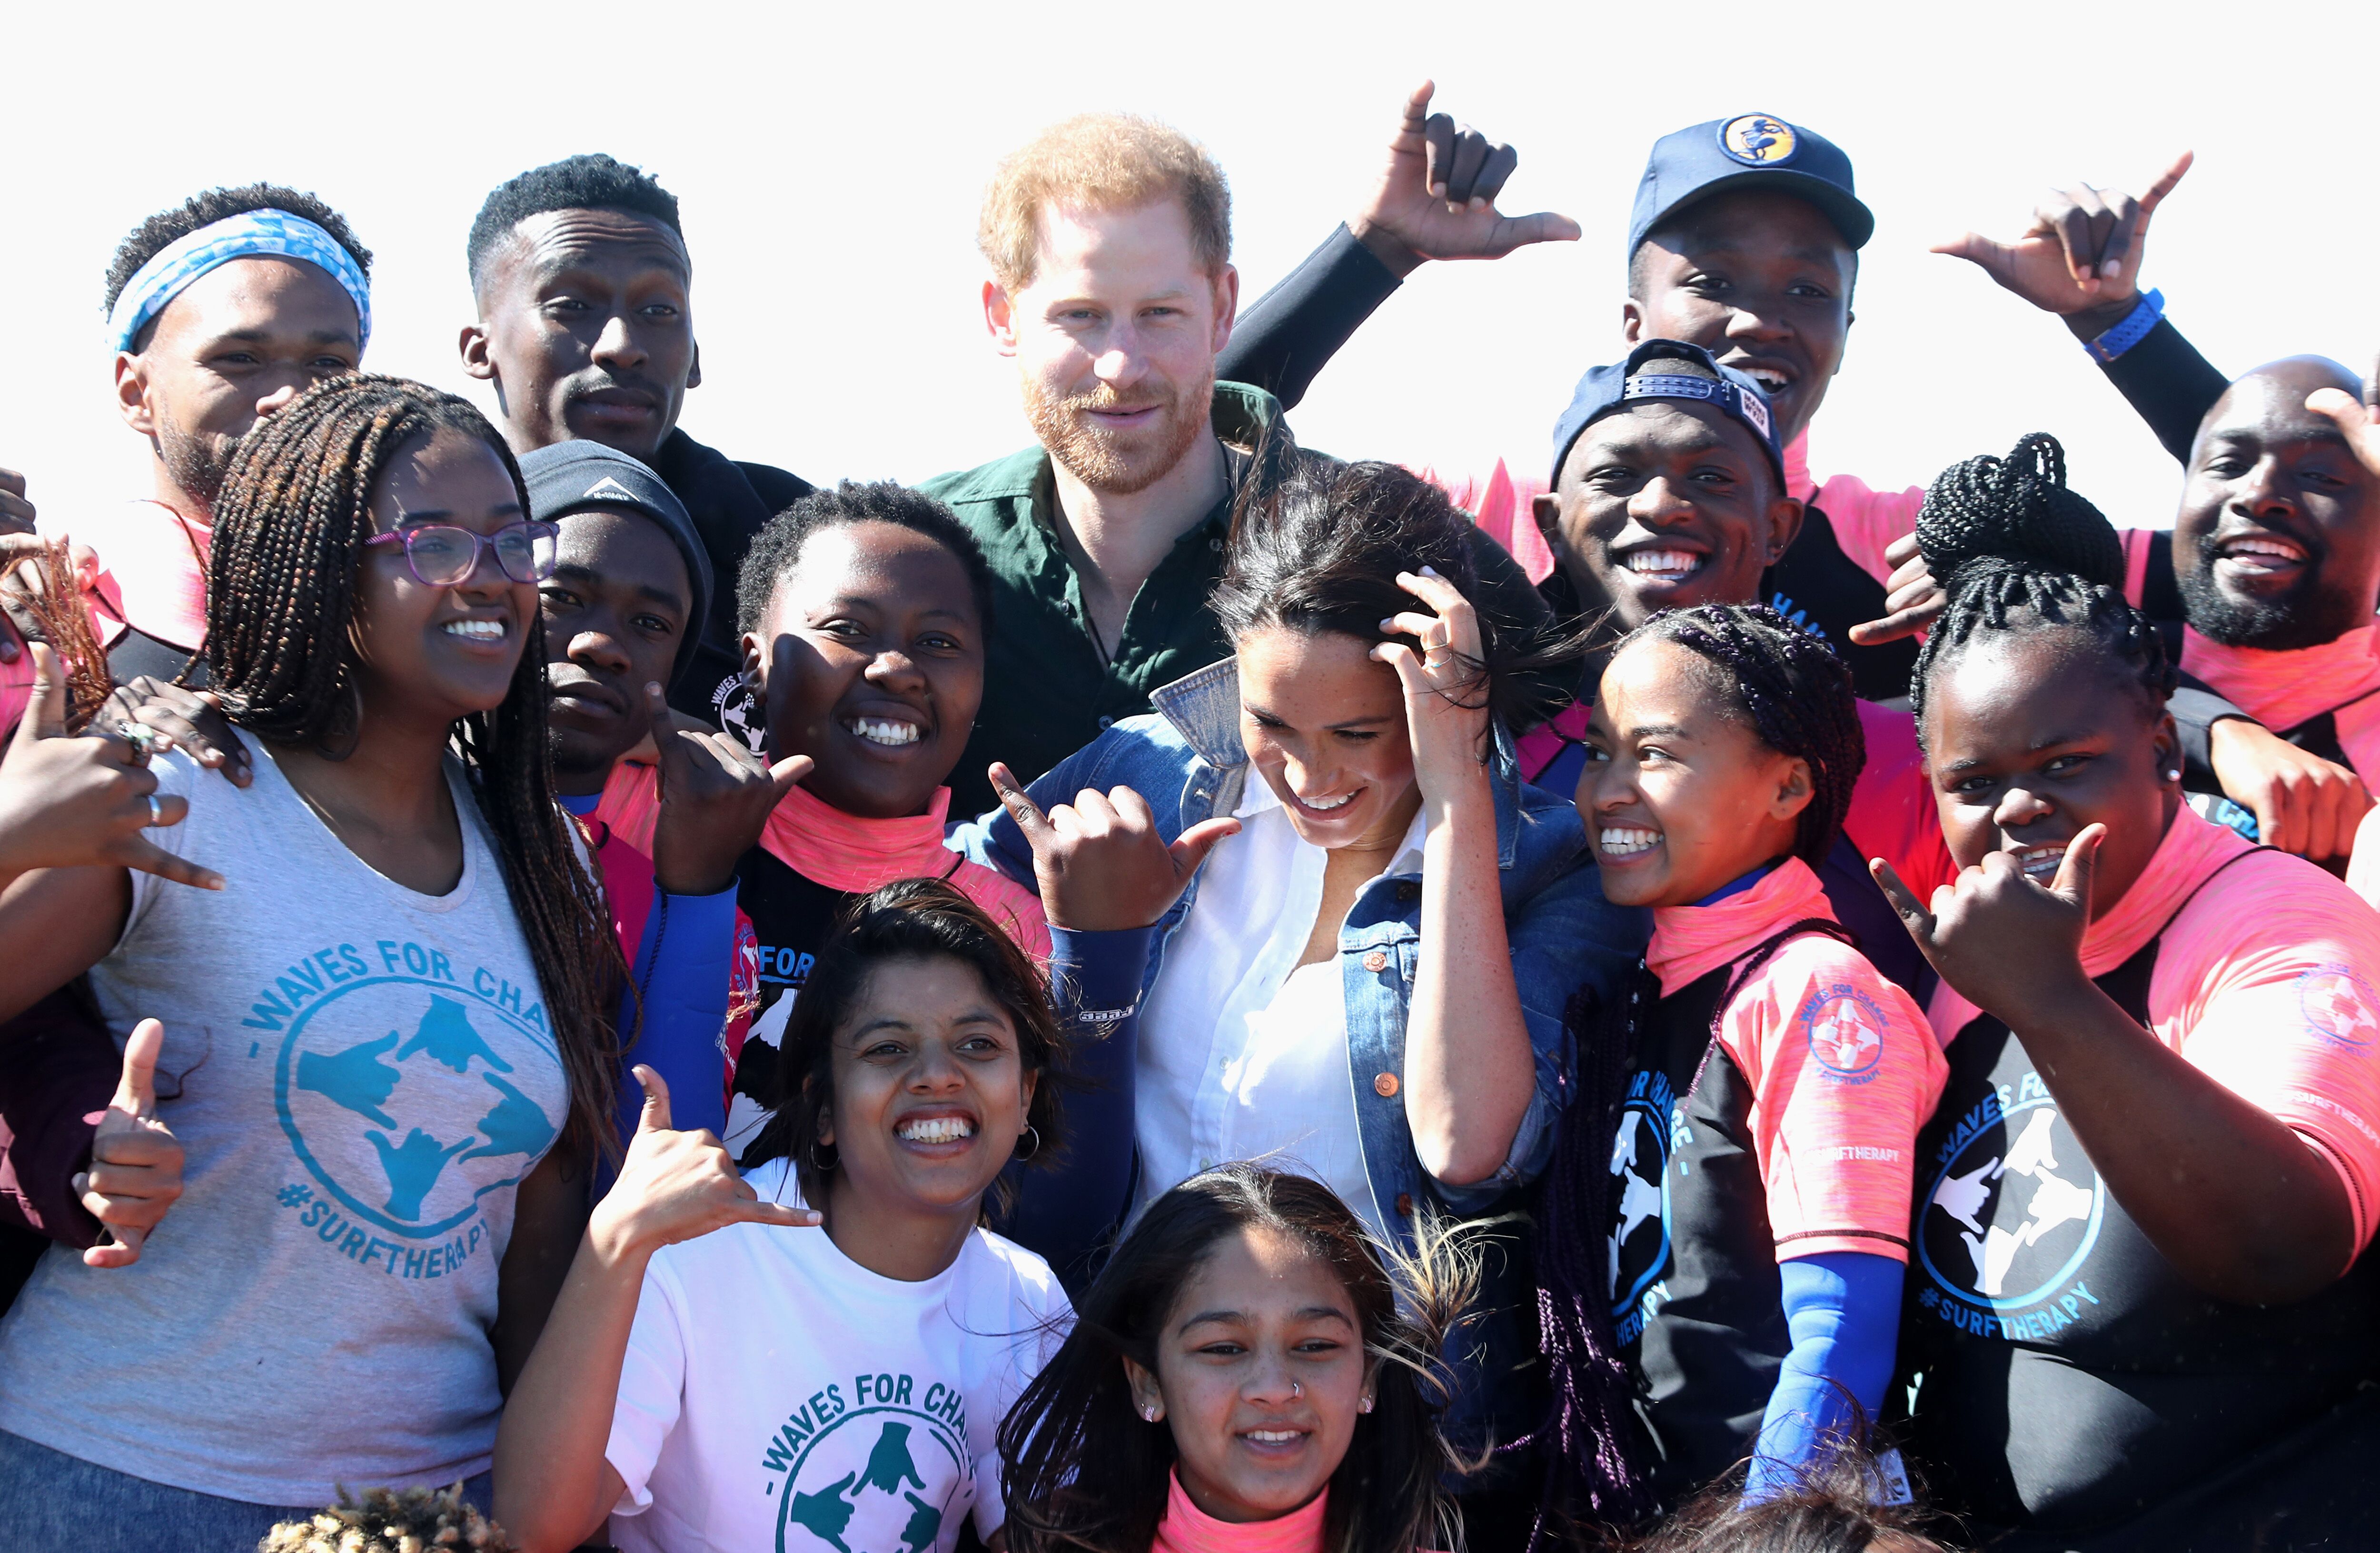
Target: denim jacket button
{"points": [[1376, 962], [1404, 1204], [1385, 1087]]}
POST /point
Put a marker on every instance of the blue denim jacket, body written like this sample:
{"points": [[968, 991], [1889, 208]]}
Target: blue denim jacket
{"points": [[1187, 761]]}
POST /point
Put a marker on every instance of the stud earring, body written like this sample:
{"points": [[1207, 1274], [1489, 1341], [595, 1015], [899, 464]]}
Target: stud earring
{"points": [[1365, 1406], [1151, 1414], [2174, 775]]}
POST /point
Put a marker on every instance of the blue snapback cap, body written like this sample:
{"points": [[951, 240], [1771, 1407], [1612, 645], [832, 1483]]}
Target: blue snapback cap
{"points": [[1606, 389], [1750, 151]]}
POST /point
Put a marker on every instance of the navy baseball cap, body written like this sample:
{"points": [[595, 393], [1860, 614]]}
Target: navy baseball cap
{"points": [[1751, 150], [1606, 389], [576, 476]]}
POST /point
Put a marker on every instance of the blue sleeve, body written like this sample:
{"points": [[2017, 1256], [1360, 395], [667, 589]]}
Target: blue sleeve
{"points": [[1565, 940], [992, 838], [1066, 1210], [682, 970], [1842, 1309]]}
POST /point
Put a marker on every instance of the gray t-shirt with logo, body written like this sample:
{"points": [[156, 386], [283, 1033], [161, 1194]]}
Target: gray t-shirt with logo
{"points": [[360, 1076]]}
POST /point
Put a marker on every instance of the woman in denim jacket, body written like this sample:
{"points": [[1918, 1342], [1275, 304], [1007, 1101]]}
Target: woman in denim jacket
{"points": [[1370, 984]]}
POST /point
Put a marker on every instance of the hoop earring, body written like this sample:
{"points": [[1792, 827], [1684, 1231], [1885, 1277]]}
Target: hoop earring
{"points": [[1035, 1134], [823, 1167]]}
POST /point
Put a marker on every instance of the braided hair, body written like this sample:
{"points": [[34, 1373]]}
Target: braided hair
{"points": [[2012, 546], [290, 533], [1790, 689], [1317, 543], [1796, 695], [2017, 505]]}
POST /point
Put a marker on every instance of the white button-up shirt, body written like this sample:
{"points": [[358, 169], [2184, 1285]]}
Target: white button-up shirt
{"points": [[1242, 1054]]}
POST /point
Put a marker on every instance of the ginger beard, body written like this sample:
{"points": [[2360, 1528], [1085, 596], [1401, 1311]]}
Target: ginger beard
{"points": [[1120, 463]]}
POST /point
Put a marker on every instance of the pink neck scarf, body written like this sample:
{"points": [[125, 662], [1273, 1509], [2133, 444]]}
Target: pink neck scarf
{"points": [[2282, 689], [1689, 942], [1188, 1529], [2192, 849]]}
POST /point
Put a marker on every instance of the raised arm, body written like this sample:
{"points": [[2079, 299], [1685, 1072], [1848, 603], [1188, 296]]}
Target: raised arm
{"points": [[1435, 198], [553, 1486], [2081, 259], [1470, 1077]]}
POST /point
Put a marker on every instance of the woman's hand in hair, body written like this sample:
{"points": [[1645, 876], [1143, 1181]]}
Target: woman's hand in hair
{"points": [[69, 801], [1446, 691], [1099, 860], [716, 796], [675, 1186], [2004, 942]]}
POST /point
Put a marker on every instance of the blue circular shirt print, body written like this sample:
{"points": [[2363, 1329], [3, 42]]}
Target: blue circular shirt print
{"points": [[409, 1098]]}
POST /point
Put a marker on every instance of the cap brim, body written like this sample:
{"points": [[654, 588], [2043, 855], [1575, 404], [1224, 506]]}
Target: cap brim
{"points": [[1852, 218]]}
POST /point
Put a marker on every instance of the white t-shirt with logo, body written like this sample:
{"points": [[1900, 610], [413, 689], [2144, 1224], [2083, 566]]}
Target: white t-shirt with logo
{"points": [[360, 1075], [777, 1395]]}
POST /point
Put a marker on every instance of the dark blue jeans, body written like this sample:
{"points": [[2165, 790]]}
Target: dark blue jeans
{"points": [[49, 1499]]}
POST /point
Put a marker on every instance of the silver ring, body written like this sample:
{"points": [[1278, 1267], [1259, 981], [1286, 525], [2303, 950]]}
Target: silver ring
{"points": [[1437, 659], [142, 737], [156, 813]]}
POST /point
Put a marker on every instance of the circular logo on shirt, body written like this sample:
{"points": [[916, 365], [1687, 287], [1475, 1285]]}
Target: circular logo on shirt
{"points": [[2013, 1213], [2338, 1006], [739, 710], [409, 1097], [875, 1464], [1640, 1197], [1845, 1029], [1759, 140]]}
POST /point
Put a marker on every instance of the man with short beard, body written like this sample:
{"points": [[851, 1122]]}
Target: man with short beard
{"points": [[222, 311], [2276, 560], [1111, 287]]}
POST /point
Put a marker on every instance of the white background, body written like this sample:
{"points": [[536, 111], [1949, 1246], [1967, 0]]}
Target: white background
{"points": [[830, 160]]}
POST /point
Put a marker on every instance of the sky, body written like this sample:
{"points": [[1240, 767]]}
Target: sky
{"points": [[830, 160]]}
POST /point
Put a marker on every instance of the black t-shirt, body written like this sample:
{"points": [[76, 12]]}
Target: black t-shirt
{"points": [[1698, 1302], [1824, 591], [792, 917], [2067, 1378]]}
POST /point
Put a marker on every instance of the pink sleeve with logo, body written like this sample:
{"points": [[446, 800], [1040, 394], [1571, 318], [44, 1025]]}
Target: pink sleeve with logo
{"points": [[2286, 1015], [1844, 1070]]}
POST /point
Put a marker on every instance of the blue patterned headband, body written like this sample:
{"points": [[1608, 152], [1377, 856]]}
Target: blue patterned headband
{"points": [[184, 259]]}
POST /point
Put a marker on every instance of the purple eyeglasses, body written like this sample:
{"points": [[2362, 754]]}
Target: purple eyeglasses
{"points": [[443, 555]]}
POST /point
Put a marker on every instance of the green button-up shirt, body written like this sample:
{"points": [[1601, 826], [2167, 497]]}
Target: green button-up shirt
{"points": [[1047, 690]]}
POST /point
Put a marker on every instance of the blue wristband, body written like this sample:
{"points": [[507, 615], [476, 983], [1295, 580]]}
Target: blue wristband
{"points": [[2131, 331]]}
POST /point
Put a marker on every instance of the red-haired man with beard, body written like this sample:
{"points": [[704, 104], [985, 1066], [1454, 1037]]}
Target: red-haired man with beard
{"points": [[1112, 288]]}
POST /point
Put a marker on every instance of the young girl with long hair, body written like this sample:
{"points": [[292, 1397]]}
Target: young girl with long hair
{"points": [[389, 1039], [1725, 1225], [1366, 978], [1246, 1375], [2141, 1311], [704, 1346]]}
